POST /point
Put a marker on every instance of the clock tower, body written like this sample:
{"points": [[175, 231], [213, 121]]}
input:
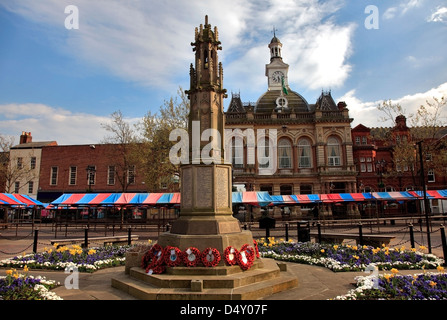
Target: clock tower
{"points": [[276, 70]]}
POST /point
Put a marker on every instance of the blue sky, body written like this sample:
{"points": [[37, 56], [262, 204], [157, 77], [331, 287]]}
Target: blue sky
{"points": [[61, 84]]}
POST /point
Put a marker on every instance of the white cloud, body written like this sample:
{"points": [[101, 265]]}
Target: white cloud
{"points": [[318, 59], [390, 13], [145, 43], [402, 8], [440, 15], [314, 45], [366, 113], [48, 123]]}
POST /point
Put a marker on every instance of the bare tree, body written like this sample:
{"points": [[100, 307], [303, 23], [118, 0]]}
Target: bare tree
{"points": [[13, 168], [124, 145], [6, 142], [426, 125]]}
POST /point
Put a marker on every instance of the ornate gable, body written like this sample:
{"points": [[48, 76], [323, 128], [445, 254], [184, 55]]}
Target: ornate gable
{"points": [[236, 105], [325, 102]]}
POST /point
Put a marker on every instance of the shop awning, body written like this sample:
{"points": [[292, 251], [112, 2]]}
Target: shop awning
{"points": [[393, 196], [283, 200], [21, 200], [116, 199], [431, 194], [256, 198]]}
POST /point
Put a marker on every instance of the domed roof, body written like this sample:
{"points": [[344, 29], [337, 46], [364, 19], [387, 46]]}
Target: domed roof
{"points": [[275, 40], [267, 102]]}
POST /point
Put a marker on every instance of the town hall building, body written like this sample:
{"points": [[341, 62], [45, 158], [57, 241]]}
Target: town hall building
{"points": [[312, 142]]}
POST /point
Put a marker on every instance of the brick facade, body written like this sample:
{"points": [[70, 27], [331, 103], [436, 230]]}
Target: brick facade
{"points": [[64, 170], [375, 164]]}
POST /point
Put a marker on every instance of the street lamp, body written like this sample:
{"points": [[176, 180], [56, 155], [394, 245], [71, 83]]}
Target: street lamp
{"points": [[424, 190]]}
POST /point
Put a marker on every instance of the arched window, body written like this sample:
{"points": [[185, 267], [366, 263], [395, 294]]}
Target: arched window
{"points": [[264, 153], [237, 152], [334, 152], [304, 154], [285, 154]]}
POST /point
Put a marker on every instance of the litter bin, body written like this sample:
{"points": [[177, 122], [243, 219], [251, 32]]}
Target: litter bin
{"points": [[303, 231], [267, 223]]}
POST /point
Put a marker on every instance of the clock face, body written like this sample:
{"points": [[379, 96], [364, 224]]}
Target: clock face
{"points": [[277, 76]]}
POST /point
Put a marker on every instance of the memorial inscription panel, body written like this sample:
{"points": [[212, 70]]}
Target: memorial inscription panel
{"points": [[204, 194]]}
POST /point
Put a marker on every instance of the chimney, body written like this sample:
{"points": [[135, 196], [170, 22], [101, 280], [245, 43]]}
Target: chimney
{"points": [[26, 137], [341, 105]]}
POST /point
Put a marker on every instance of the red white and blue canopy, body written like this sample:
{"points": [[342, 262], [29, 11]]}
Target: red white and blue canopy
{"points": [[257, 198], [19, 200], [116, 199]]}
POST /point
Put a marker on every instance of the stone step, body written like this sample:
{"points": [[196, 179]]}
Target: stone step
{"points": [[145, 291], [268, 271]]}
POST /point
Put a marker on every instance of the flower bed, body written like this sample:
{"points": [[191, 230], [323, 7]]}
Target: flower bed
{"points": [[422, 286], [347, 257], [86, 260], [15, 286]]}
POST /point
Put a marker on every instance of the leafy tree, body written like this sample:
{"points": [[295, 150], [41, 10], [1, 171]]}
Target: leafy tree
{"points": [[155, 129]]}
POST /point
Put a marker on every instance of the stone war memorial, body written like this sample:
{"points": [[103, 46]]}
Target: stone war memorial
{"points": [[206, 255]]}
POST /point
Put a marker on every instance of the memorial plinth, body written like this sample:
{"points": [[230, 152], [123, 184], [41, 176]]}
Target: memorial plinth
{"points": [[206, 214]]}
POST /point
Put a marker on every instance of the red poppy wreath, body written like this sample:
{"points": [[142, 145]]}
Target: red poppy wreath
{"points": [[246, 257], [231, 255], [173, 256], [210, 257], [191, 257], [153, 260]]}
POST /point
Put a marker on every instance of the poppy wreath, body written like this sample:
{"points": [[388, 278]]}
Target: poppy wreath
{"points": [[173, 256], [231, 255], [156, 269], [246, 257], [150, 255], [210, 257], [153, 260], [191, 257]]}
